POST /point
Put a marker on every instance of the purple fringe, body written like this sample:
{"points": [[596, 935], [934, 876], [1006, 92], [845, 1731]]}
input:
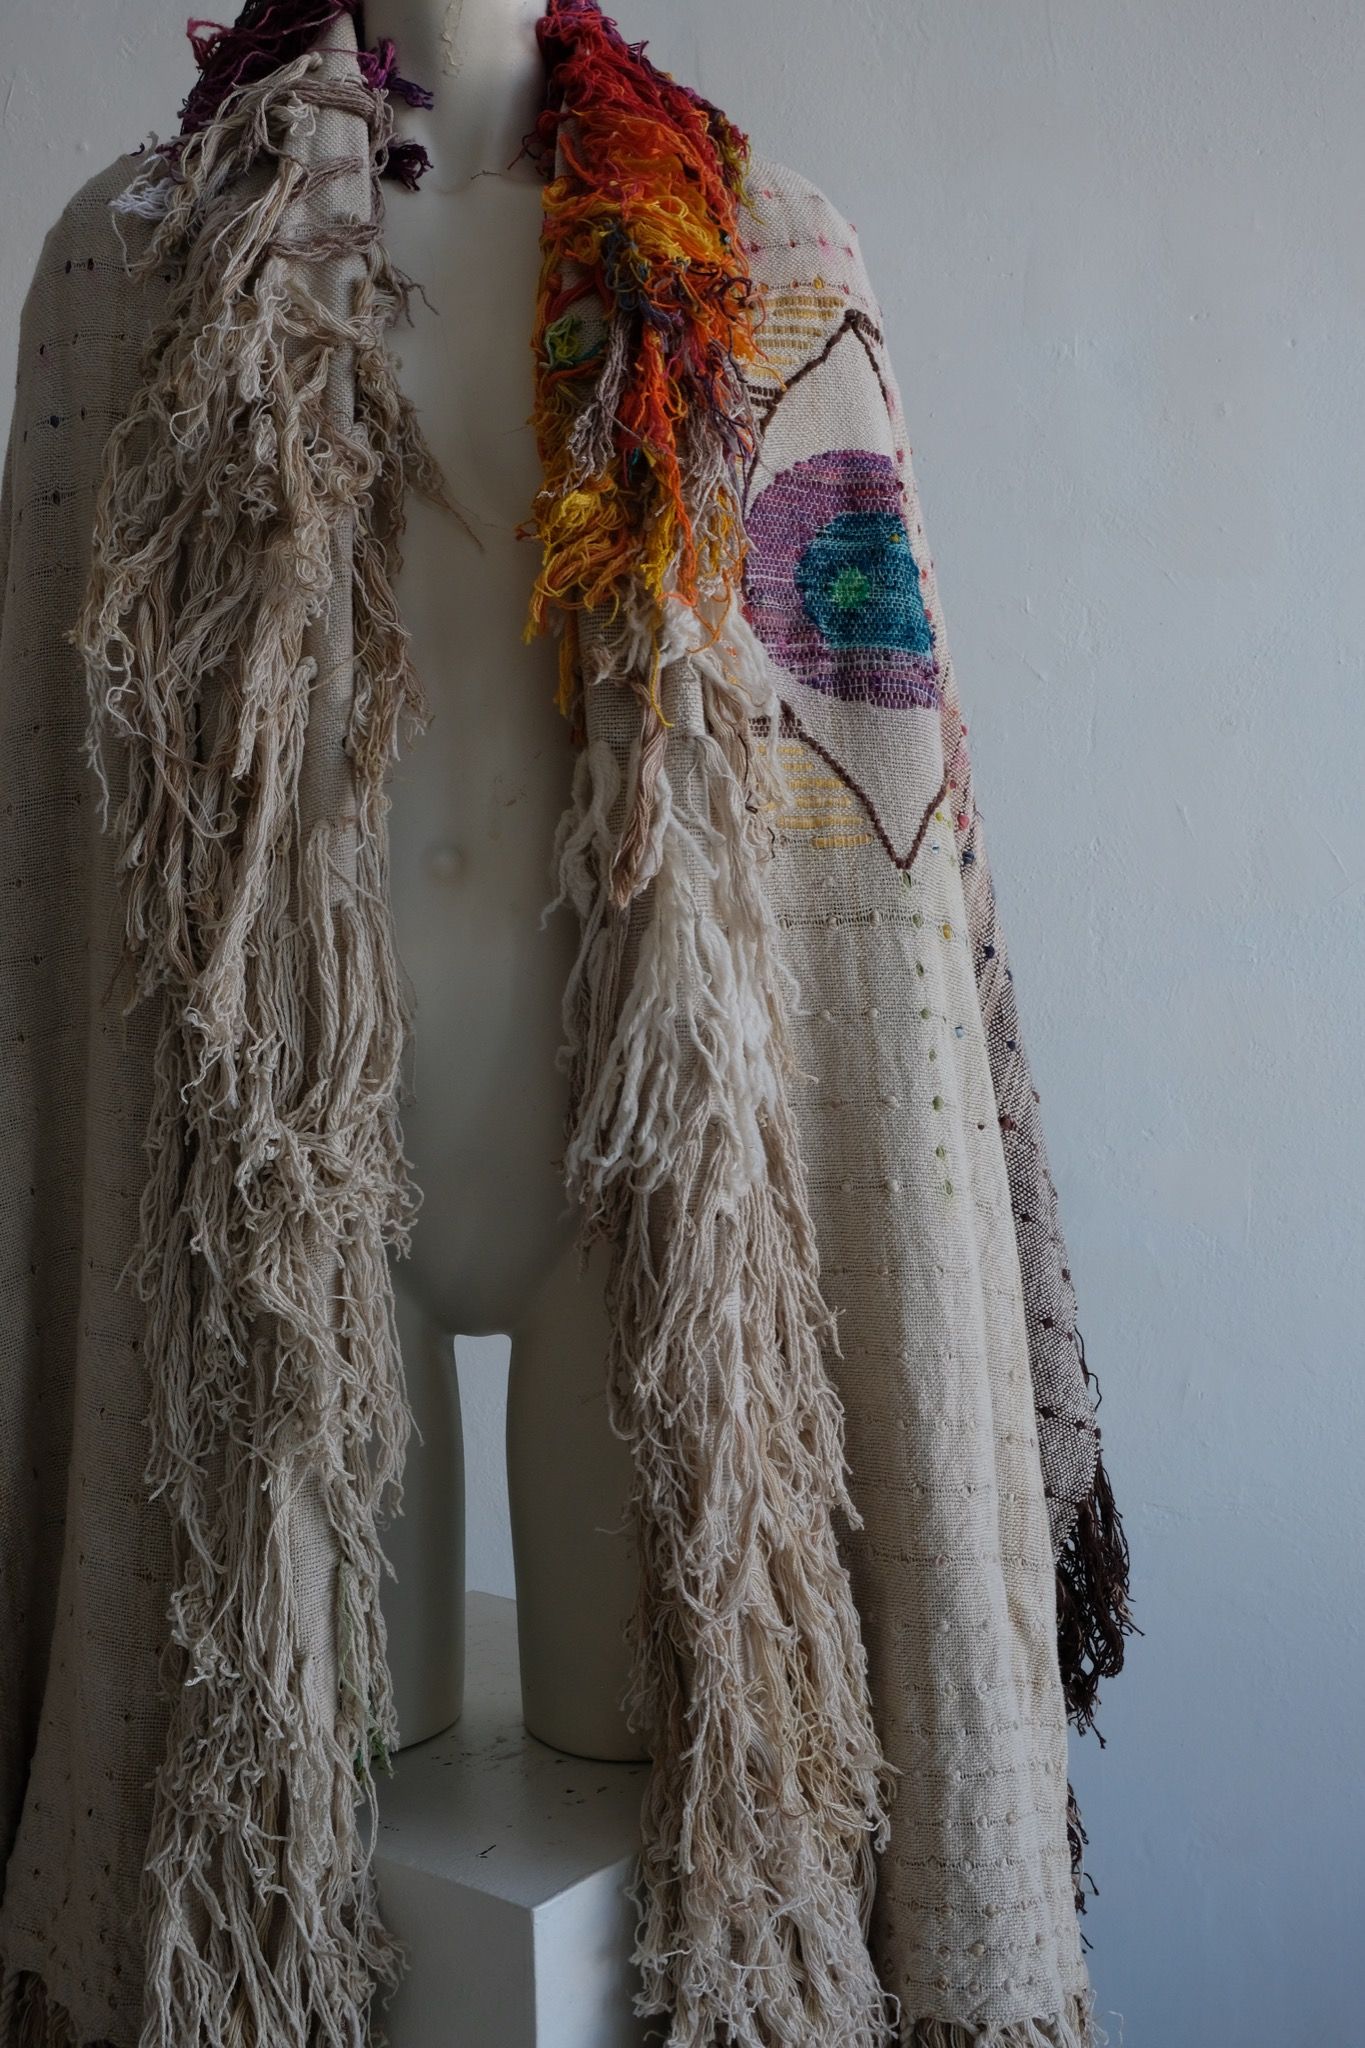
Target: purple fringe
{"points": [[269, 33]]}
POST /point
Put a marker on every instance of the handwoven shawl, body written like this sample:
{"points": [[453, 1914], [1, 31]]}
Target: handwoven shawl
{"points": [[879, 1558]]}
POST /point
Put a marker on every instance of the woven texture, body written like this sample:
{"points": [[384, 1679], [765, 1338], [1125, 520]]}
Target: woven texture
{"points": [[844, 1331], [86, 1555], [953, 1566]]}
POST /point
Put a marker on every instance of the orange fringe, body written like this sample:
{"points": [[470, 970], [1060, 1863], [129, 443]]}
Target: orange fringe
{"points": [[641, 222]]}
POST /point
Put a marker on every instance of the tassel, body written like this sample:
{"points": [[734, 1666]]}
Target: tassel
{"points": [[253, 858], [645, 313]]}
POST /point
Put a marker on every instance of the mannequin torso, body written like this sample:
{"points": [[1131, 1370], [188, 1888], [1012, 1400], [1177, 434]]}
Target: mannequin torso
{"points": [[475, 805], [476, 799]]}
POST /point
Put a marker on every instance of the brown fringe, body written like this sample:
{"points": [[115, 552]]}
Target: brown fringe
{"points": [[1078, 1841], [1093, 1618], [1093, 1624], [268, 445], [1089, 1548], [30, 2019]]}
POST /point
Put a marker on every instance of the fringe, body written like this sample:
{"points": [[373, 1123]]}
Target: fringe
{"points": [[29, 2019], [1077, 1841], [1093, 1617], [645, 312], [269, 33], [1073, 2028], [766, 1799], [277, 1183], [1089, 1547]]}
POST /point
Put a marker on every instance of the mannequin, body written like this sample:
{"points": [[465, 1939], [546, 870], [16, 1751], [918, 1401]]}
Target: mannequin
{"points": [[475, 805]]}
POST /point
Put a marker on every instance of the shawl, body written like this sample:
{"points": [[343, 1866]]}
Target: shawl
{"points": [[880, 1561]]}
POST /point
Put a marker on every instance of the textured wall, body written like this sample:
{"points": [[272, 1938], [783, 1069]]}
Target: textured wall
{"points": [[1118, 248]]}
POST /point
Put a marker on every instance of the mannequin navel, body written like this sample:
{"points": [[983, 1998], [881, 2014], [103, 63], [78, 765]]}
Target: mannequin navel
{"points": [[445, 862]]}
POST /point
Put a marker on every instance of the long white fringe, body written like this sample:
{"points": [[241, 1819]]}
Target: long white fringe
{"points": [[276, 1177], [765, 1804]]}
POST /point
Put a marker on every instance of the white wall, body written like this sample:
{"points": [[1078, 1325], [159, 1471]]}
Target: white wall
{"points": [[1119, 252]]}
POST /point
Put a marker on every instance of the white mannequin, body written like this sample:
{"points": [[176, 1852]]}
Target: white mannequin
{"points": [[475, 804]]}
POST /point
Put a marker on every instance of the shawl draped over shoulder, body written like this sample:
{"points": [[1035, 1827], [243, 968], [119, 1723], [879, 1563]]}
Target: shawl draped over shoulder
{"points": [[881, 1565]]}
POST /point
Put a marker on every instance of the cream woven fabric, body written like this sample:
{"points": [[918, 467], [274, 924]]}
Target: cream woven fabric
{"points": [[875, 891], [953, 1568], [84, 1556]]}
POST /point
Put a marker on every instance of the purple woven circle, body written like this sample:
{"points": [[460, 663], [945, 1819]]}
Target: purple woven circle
{"points": [[831, 585]]}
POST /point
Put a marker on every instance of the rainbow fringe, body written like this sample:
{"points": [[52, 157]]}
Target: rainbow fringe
{"points": [[640, 223]]}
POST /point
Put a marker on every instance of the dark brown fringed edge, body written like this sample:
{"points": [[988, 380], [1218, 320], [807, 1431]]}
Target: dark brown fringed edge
{"points": [[1078, 1841], [1094, 1620], [1089, 1546], [31, 2018]]}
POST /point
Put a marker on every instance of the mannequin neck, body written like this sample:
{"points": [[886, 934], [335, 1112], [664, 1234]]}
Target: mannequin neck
{"points": [[480, 61]]}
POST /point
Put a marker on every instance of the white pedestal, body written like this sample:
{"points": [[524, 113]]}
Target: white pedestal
{"points": [[502, 1868]]}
